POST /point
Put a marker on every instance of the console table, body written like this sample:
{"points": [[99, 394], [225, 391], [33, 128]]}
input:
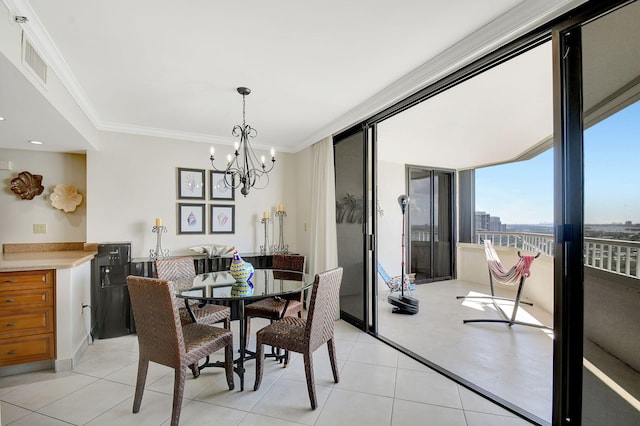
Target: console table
{"points": [[144, 267]]}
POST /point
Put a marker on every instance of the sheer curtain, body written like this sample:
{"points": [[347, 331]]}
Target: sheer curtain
{"points": [[323, 253]]}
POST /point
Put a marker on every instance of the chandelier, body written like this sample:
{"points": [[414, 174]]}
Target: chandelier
{"points": [[243, 169]]}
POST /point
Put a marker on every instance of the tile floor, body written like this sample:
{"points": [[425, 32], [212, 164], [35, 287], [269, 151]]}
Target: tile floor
{"points": [[378, 386]]}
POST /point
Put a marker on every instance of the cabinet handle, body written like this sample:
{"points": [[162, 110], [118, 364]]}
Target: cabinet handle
{"points": [[12, 352], [11, 324], [11, 300], [10, 281]]}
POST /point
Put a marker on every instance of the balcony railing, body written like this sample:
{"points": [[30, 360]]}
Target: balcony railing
{"points": [[534, 243], [615, 256]]}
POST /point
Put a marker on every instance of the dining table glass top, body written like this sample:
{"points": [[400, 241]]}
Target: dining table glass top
{"points": [[221, 285]]}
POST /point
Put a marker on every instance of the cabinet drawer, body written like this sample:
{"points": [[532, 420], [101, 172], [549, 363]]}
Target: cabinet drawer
{"points": [[25, 279], [36, 297], [27, 349], [19, 322]]}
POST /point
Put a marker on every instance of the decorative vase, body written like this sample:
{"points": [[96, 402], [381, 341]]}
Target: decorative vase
{"points": [[240, 270]]}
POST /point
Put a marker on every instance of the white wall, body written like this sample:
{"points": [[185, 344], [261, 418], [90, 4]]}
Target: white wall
{"points": [[17, 216], [391, 184], [132, 180]]}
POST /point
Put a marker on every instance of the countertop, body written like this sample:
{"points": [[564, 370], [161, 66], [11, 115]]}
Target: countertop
{"points": [[11, 262]]}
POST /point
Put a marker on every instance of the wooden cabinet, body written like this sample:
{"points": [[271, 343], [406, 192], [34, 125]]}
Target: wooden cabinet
{"points": [[27, 316]]}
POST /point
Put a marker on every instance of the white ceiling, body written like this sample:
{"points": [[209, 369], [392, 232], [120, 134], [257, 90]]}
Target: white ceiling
{"points": [[169, 68], [493, 117]]}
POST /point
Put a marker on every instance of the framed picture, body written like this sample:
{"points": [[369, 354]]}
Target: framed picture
{"points": [[191, 218], [222, 219], [191, 184], [219, 190]]}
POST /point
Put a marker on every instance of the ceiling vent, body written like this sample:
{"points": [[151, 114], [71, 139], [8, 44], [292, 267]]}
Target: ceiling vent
{"points": [[34, 61]]}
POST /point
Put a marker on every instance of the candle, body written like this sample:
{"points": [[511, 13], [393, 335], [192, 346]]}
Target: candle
{"points": [[280, 207], [265, 215], [158, 221]]}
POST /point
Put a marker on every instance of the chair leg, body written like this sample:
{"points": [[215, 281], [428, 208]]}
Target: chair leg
{"points": [[227, 323], [259, 360], [195, 370], [311, 386], [143, 366], [228, 364], [178, 391], [332, 357]]}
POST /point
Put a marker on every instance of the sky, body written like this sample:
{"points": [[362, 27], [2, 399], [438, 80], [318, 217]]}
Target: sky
{"points": [[522, 193]]}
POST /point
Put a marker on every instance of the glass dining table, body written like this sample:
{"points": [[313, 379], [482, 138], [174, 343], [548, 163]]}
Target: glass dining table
{"points": [[221, 288]]}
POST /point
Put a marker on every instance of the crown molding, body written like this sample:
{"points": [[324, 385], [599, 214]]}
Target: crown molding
{"points": [[163, 133]]}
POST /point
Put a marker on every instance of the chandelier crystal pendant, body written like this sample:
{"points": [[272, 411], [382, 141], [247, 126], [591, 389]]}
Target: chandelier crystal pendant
{"points": [[244, 169]]}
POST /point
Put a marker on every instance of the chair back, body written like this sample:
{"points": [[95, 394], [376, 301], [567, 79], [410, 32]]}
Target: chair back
{"points": [[288, 262], [173, 268], [157, 320], [385, 277], [323, 307]]}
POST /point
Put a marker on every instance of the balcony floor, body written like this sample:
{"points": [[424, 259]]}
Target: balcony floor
{"points": [[514, 363]]}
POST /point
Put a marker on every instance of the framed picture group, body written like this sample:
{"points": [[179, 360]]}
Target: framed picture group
{"points": [[192, 210]]}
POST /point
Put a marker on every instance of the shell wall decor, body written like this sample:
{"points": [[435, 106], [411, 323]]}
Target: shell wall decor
{"points": [[65, 197], [26, 185]]}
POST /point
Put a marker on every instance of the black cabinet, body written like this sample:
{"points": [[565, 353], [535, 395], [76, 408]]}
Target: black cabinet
{"points": [[111, 314]]}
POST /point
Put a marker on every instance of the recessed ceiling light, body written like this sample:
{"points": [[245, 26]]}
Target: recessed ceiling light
{"points": [[2, 118], [36, 142]]}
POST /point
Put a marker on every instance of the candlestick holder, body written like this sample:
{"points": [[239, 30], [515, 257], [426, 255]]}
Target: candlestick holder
{"points": [[264, 249], [281, 248], [158, 252]]}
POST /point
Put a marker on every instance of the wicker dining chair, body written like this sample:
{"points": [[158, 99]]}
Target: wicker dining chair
{"points": [[164, 340], [306, 335], [174, 268], [273, 308]]}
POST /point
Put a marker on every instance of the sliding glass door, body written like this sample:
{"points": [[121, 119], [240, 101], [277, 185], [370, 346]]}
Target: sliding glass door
{"points": [[352, 217], [611, 109], [430, 223]]}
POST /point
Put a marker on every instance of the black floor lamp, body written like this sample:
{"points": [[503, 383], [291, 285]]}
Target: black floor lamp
{"points": [[403, 304]]}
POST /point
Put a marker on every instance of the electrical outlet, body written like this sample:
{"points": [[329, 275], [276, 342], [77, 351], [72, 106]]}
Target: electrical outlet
{"points": [[39, 228]]}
